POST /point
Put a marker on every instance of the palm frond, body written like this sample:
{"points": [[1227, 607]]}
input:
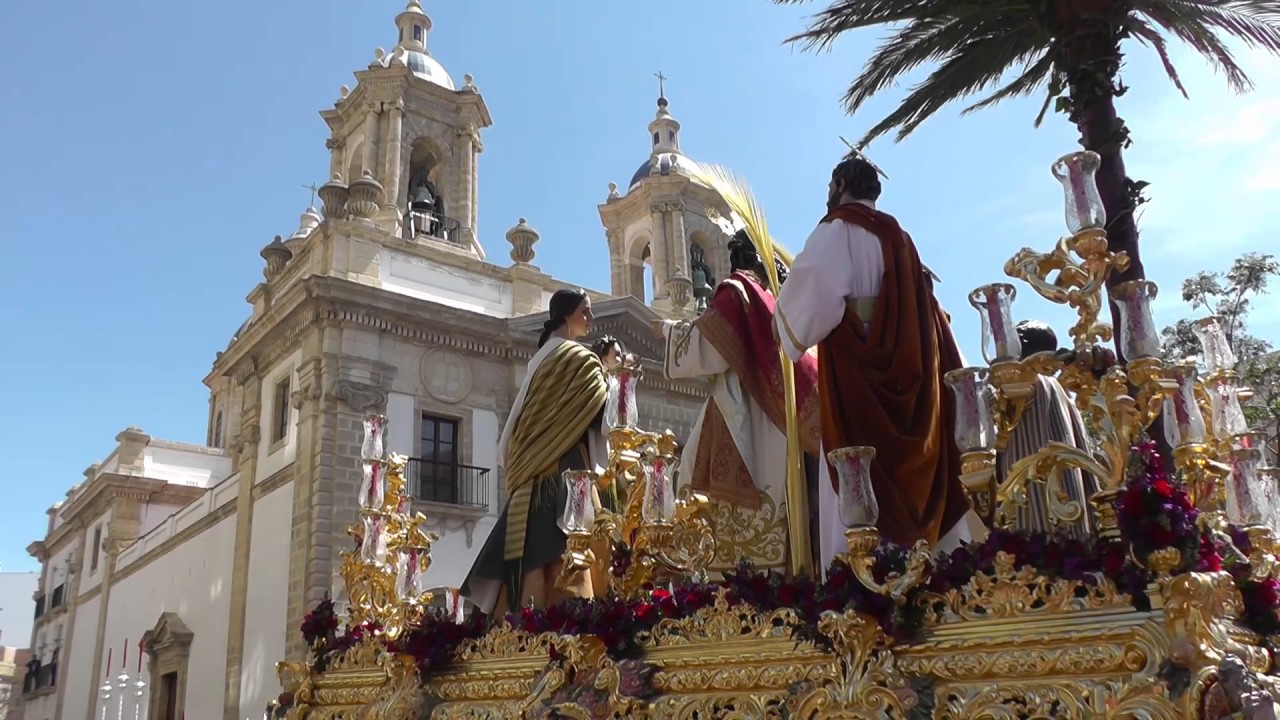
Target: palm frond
{"points": [[742, 203], [923, 40], [1147, 35], [1026, 83], [971, 68], [843, 16], [1181, 19]]}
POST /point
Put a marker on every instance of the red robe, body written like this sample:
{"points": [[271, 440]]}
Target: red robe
{"points": [[884, 388], [739, 325]]}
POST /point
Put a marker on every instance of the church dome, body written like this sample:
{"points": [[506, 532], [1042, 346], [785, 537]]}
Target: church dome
{"points": [[420, 64], [668, 163]]}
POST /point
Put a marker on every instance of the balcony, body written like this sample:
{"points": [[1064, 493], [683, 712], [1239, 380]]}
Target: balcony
{"points": [[431, 225], [448, 483], [39, 677]]}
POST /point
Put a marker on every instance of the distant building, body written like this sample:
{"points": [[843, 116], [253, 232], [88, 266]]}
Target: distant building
{"points": [[205, 559]]}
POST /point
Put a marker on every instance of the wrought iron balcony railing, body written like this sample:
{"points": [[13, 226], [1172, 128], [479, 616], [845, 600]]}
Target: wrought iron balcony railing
{"points": [[448, 483], [432, 225]]}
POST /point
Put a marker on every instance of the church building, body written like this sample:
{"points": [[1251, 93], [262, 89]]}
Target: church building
{"points": [[174, 576]]}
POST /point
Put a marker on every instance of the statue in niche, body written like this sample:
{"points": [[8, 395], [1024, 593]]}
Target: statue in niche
{"points": [[704, 280], [426, 207]]}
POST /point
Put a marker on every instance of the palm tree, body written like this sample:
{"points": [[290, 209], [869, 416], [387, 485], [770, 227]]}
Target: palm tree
{"points": [[1070, 48]]}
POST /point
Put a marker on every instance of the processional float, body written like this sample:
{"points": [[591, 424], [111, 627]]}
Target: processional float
{"points": [[1168, 611]]}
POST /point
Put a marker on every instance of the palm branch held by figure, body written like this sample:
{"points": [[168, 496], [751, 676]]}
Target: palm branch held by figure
{"points": [[1071, 48]]}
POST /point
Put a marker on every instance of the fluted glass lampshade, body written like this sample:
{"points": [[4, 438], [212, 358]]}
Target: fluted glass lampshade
{"points": [[858, 506]]}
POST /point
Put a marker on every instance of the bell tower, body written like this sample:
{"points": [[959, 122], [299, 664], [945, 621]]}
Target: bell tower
{"points": [[405, 144], [664, 249]]}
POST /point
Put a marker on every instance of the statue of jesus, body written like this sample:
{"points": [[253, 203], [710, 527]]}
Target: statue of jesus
{"points": [[859, 292]]}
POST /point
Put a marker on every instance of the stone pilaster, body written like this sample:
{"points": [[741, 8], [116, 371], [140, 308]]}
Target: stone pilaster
{"points": [[312, 549], [391, 169], [465, 211], [679, 240], [245, 449], [370, 148], [658, 248], [619, 282], [526, 289], [73, 604]]}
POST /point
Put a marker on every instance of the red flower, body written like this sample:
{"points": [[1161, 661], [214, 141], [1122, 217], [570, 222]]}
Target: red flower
{"points": [[646, 613], [1163, 487], [1113, 560]]}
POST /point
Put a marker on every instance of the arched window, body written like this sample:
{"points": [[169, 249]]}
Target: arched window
{"points": [[217, 429]]}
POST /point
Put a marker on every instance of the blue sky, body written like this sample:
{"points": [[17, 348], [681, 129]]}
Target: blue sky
{"points": [[154, 148]]}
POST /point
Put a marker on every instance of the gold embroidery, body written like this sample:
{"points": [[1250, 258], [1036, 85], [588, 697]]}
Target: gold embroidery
{"points": [[681, 338]]}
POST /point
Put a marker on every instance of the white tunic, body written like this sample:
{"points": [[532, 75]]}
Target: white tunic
{"points": [[761, 445], [840, 261]]}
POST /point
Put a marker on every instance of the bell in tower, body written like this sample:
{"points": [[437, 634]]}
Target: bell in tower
{"points": [[409, 132]]}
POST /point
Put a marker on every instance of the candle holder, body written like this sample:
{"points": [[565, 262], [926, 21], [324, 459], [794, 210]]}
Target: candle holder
{"points": [[577, 522], [975, 434], [621, 409], [385, 575], [1139, 337], [994, 303], [1077, 172], [859, 511], [1216, 349]]}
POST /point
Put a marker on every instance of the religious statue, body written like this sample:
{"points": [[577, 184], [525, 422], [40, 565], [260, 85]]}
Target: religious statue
{"points": [[1050, 416], [737, 451], [859, 292], [555, 425]]}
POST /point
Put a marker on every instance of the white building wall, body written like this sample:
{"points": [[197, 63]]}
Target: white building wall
{"points": [[75, 669], [273, 459], [194, 581], [400, 424], [90, 576], [413, 276], [185, 467], [266, 608]]}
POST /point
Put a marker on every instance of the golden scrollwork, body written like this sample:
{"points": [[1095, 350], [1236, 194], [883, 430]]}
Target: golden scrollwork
{"points": [[864, 681], [759, 536], [1011, 592], [1064, 280], [860, 557]]}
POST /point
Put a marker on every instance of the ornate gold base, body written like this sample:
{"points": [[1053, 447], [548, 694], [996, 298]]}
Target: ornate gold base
{"points": [[1008, 644]]}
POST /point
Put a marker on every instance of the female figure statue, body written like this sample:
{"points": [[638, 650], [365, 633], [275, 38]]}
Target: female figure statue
{"points": [[555, 425]]}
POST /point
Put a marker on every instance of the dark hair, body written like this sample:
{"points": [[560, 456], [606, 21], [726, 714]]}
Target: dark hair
{"points": [[744, 256], [1036, 337], [857, 177], [563, 304], [601, 346]]}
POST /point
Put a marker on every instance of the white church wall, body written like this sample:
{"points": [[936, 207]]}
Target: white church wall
{"points": [[91, 570], [408, 275], [266, 604], [274, 456], [74, 672], [190, 467], [484, 450], [217, 496], [57, 569], [193, 580], [400, 411]]}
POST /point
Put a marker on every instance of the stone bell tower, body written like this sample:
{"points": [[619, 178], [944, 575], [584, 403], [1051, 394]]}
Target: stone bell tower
{"points": [[663, 247], [405, 143]]}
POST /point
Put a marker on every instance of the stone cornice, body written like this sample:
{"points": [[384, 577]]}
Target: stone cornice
{"points": [[94, 498], [322, 300]]}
